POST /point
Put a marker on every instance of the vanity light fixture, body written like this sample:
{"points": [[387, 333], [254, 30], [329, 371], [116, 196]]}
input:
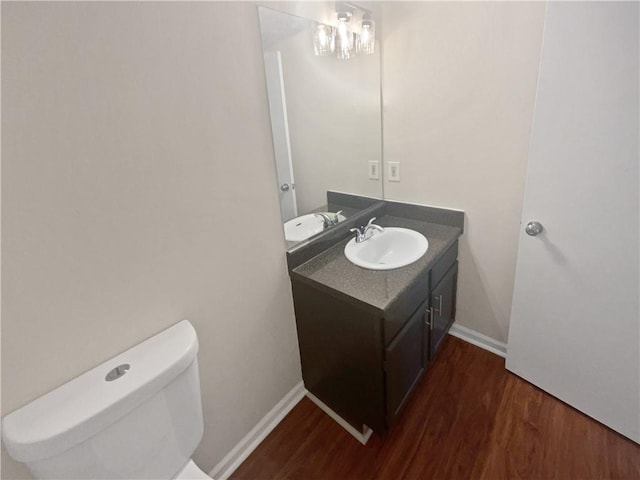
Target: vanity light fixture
{"points": [[342, 39]]}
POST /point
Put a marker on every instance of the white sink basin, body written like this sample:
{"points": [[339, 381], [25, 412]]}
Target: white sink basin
{"points": [[393, 248], [305, 226]]}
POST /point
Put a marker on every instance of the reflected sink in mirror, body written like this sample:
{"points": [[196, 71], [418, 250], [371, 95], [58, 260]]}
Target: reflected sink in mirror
{"points": [[394, 248], [306, 226]]}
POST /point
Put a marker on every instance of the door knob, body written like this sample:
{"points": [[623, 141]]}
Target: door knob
{"points": [[284, 187], [534, 228]]}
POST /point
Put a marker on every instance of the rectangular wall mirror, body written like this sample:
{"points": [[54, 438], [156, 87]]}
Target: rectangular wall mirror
{"points": [[326, 124]]}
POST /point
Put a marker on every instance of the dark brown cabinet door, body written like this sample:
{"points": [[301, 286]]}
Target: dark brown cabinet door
{"points": [[443, 304], [403, 363]]}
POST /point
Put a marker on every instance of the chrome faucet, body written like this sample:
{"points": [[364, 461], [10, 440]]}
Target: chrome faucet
{"points": [[327, 221], [366, 232]]}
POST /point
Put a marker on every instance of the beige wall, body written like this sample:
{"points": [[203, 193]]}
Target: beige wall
{"points": [[319, 11], [137, 191], [459, 84]]}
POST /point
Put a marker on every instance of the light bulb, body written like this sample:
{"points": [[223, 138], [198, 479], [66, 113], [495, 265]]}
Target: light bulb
{"points": [[344, 37], [366, 41], [324, 40]]}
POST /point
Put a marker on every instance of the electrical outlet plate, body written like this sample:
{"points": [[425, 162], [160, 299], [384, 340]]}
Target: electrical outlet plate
{"points": [[374, 169], [394, 171]]}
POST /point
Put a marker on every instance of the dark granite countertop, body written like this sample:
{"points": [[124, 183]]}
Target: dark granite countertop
{"points": [[375, 289]]}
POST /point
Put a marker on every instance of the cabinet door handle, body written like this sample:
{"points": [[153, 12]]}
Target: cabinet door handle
{"points": [[429, 322], [439, 309]]}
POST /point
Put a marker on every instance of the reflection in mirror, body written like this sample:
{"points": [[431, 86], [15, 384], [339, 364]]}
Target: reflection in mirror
{"points": [[326, 124]]}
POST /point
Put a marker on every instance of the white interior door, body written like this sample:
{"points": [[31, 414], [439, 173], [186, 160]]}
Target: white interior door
{"points": [[575, 323], [280, 131]]}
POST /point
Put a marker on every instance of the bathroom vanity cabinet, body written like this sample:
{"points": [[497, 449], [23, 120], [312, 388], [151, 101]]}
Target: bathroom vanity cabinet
{"points": [[365, 336], [410, 352]]}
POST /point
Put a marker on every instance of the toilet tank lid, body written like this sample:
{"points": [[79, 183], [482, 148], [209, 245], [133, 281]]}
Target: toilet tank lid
{"points": [[87, 404]]}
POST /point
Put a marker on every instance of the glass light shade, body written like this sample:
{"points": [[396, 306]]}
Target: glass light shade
{"points": [[366, 40], [344, 37], [324, 40]]}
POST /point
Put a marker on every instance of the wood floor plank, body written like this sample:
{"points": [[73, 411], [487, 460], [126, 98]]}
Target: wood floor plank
{"points": [[468, 418]]}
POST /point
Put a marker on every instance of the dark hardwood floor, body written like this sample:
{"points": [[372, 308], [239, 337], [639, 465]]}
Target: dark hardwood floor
{"points": [[468, 419]]}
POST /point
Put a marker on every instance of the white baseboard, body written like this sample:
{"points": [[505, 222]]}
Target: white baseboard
{"points": [[251, 440], [362, 437], [479, 340]]}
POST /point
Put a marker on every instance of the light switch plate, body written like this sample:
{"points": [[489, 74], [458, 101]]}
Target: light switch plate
{"points": [[374, 169], [394, 171]]}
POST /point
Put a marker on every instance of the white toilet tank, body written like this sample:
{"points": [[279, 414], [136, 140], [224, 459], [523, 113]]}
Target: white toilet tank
{"points": [[144, 422]]}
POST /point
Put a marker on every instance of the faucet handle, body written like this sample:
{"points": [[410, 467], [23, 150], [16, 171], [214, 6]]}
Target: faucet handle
{"points": [[359, 234], [370, 229], [324, 219]]}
